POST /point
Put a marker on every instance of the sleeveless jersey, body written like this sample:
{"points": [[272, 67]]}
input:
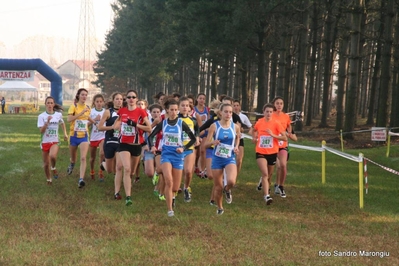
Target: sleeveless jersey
{"points": [[190, 123], [96, 134], [111, 136], [172, 136], [204, 114], [226, 136]]}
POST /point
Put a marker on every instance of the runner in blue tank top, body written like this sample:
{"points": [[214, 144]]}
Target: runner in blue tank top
{"points": [[224, 135], [172, 154]]}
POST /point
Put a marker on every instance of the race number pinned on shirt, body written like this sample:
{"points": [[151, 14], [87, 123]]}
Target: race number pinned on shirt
{"points": [[81, 125], [266, 142], [171, 139], [51, 133], [116, 133], [128, 130], [223, 150]]}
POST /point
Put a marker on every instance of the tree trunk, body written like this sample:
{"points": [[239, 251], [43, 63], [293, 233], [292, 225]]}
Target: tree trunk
{"points": [[281, 65], [312, 67], [383, 101], [261, 70], [273, 76], [302, 64], [394, 119], [376, 75], [342, 81], [350, 106]]}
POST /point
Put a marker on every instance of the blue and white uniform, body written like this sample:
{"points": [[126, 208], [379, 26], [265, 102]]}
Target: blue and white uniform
{"points": [[172, 139], [223, 153]]}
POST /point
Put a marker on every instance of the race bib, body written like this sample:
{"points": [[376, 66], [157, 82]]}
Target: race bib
{"points": [[116, 133], [266, 142], [81, 125], [223, 150], [128, 130], [171, 139], [51, 133]]}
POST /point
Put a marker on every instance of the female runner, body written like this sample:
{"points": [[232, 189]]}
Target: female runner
{"points": [[79, 117], [111, 141], [131, 120], [265, 134], [97, 136], [172, 156], [224, 135], [48, 122]]}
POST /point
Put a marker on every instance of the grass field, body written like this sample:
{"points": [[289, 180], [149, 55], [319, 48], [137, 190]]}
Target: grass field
{"points": [[315, 225]]}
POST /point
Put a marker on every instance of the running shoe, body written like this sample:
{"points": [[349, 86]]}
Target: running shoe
{"points": [[187, 195], [92, 176], [282, 191], [229, 197], [276, 189], [259, 187], [49, 182], [128, 201], [55, 174], [203, 175], [81, 183], [219, 211], [155, 179], [137, 179], [171, 213], [161, 197], [156, 193], [117, 196], [70, 168], [268, 200], [212, 203]]}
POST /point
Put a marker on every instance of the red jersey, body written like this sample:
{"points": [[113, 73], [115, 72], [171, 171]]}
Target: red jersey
{"points": [[129, 134], [266, 144], [285, 122]]}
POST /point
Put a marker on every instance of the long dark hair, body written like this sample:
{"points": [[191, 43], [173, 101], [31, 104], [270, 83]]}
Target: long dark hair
{"points": [[57, 107], [78, 93], [110, 104]]}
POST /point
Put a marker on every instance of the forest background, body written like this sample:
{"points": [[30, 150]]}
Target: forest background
{"points": [[330, 57]]}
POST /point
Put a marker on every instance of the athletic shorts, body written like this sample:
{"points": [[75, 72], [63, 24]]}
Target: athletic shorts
{"points": [[209, 153], [241, 143], [187, 152], [47, 146], [135, 150], [175, 159], [110, 149], [220, 163], [148, 155], [74, 141], [95, 143], [270, 158]]}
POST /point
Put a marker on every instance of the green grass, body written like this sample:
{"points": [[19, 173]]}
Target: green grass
{"points": [[64, 225]]}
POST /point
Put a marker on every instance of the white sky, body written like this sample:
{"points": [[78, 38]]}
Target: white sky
{"points": [[20, 19]]}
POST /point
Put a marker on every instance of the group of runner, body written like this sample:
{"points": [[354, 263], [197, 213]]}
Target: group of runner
{"points": [[175, 137]]}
